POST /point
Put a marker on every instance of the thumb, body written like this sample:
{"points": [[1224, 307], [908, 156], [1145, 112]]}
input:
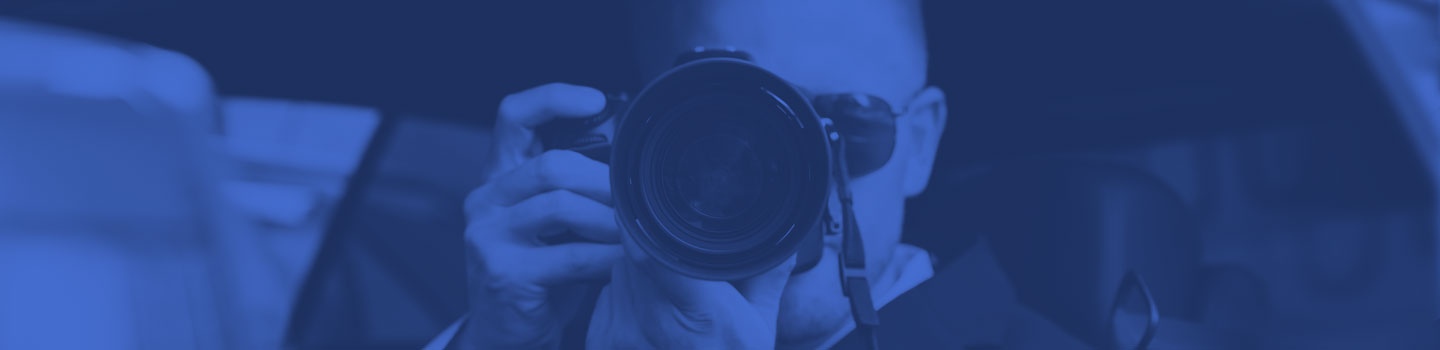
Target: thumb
{"points": [[764, 290], [685, 292]]}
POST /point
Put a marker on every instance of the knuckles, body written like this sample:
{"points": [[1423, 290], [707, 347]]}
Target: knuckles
{"points": [[505, 284], [573, 264], [498, 274], [476, 204], [552, 166], [553, 201]]}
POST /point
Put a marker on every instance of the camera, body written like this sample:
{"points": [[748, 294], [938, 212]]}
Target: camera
{"points": [[720, 170]]}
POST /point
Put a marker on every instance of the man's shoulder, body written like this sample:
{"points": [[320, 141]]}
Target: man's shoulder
{"points": [[960, 304], [968, 303]]}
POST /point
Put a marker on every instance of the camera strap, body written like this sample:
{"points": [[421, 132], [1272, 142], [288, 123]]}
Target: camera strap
{"points": [[854, 281]]}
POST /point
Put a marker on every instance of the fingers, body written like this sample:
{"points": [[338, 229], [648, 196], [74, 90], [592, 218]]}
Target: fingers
{"points": [[508, 266], [762, 291], [560, 210], [552, 170], [521, 112], [574, 262], [530, 108], [702, 298], [515, 282], [686, 293]]}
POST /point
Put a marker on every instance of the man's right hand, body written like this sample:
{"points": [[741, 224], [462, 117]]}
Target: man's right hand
{"points": [[523, 292]]}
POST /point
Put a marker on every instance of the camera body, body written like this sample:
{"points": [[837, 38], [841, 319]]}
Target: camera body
{"points": [[720, 170]]}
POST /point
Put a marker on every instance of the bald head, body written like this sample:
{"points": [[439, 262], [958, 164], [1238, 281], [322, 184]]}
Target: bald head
{"points": [[840, 46]]}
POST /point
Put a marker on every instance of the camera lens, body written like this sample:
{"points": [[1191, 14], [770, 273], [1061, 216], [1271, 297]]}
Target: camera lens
{"points": [[721, 180], [717, 176], [720, 170]]}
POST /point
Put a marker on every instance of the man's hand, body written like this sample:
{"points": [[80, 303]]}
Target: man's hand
{"points": [[647, 306], [522, 292]]}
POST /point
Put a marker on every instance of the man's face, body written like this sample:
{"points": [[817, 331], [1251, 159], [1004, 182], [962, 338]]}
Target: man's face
{"points": [[829, 47]]}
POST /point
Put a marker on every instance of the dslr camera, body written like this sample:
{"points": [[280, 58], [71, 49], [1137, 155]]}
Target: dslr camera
{"points": [[720, 169]]}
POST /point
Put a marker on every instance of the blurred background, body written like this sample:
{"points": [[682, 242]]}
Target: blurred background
{"points": [[280, 174]]}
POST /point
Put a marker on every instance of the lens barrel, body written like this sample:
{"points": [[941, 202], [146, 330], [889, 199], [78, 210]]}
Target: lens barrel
{"points": [[720, 170]]}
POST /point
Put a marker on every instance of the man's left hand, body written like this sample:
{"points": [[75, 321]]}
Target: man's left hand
{"points": [[647, 306]]}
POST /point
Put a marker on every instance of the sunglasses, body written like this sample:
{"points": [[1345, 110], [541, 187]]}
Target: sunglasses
{"points": [[868, 123]]}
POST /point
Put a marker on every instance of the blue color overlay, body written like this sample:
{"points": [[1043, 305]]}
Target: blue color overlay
{"points": [[720, 174]]}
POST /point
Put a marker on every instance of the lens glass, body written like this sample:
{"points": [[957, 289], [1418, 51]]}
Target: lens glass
{"points": [[724, 172], [720, 170], [718, 176]]}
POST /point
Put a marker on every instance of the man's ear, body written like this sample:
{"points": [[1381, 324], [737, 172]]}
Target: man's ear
{"points": [[920, 130]]}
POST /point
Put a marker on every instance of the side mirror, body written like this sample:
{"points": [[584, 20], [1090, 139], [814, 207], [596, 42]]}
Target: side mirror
{"points": [[1133, 317]]}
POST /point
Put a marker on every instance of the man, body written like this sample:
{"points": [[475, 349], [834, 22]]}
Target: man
{"points": [[524, 293]]}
